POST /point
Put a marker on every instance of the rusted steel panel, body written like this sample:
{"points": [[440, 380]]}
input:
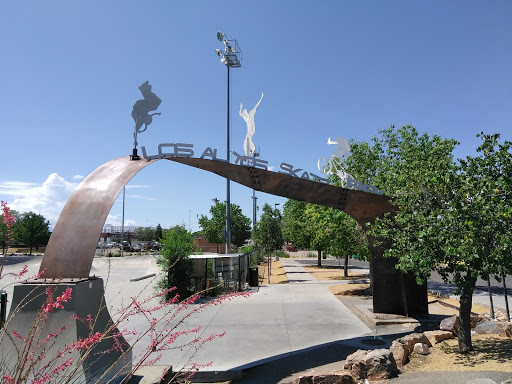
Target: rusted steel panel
{"points": [[362, 206], [71, 247]]}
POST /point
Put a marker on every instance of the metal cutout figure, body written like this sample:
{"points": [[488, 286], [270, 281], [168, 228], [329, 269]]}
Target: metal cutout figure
{"points": [[141, 109], [249, 146]]}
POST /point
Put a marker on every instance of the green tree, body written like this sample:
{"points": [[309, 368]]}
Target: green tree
{"points": [[3, 235], [294, 224], [31, 230], [176, 246], [158, 232], [145, 233], [348, 238], [451, 217], [213, 229], [268, 234], [318, 228]]}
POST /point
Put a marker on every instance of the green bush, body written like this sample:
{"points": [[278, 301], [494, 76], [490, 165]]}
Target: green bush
{"points": [[176, 247], [283, 254]]}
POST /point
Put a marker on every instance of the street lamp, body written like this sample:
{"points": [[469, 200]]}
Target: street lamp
{"points": [[231, 57]]}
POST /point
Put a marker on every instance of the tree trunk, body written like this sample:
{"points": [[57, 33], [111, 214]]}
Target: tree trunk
{"points": [[319, 257], [345, 272], [466, 301]]}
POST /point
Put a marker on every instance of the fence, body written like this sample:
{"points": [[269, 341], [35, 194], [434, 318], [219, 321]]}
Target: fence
{"points": [[229, 272]]}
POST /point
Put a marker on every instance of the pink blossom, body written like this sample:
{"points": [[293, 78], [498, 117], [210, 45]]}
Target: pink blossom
{"points": [[6, 378]]}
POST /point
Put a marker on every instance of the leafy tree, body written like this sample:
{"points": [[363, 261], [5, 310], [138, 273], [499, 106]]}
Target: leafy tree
{"points": [[348, 238], [213, 229], [268, 234], [294, 224], [318, 228], [3, 234], [145, 233], [158, 232], [31, 230], [176, 246], [451, 217]]}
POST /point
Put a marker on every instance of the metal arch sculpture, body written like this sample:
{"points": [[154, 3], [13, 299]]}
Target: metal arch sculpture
{"points": [[70, 250], [71, 247]]}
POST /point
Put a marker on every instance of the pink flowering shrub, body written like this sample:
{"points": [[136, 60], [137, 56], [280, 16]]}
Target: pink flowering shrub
{"points": [[43, 359]]}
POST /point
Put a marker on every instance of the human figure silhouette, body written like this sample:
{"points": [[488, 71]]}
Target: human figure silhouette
{"points": [[141, 109], [249, 146]]}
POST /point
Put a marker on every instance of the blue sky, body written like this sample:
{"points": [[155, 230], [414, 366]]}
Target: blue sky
{"points": [[71, 71]]}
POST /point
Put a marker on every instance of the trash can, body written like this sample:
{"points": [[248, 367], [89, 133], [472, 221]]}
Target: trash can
{"points": [[253, 277]]}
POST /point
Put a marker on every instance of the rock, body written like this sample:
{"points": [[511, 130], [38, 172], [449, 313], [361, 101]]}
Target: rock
{"points": [[337, 377], [400, 353], [378, 364], [487, 328], [412, 339], [503, 328], [481, 381], [306, 379], [477, 319], [450, 324], [437, 336], [421, 349], [506, 331]]}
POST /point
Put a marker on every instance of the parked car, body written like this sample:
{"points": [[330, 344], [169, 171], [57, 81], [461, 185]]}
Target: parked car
{"points": [[290, 248]]}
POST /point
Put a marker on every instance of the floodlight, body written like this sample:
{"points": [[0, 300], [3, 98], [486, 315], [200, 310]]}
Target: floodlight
{"points": [[220, 36], [219, 52]]}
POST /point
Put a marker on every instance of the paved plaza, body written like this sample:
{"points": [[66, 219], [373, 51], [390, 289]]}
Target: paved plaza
{"points": [[301, 323]]}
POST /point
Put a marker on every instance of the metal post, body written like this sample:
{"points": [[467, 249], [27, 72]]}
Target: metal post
{"points": [[122, 227], [490, 296], [228, 192], [505, 292], [254, 199], [3, 308]]}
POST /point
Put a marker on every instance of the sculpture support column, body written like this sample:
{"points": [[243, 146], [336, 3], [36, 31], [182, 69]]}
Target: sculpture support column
{"points": [[87, 298]]}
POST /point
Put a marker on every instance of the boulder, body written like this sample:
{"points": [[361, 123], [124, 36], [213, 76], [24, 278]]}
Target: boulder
{"points": [[412, 339], [435, 337], [400, 353], [502, 328], [421, 349], [336, 377], [506, 331], [450, 324], [477, 319], [378, 364]]}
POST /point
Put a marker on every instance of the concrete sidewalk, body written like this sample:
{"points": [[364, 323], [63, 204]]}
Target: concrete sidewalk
{"points": [[276, 321]]}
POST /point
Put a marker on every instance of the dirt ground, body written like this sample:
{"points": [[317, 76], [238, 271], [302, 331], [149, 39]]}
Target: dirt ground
{"points": [[277, 273], [491, 352], [333, 273]]}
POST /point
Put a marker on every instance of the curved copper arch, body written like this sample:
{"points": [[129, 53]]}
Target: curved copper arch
{"points": [[70, 251]]}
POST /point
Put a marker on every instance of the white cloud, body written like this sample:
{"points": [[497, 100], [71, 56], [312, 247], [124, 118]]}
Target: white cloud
{"points": [[78, 177], [50, 197], [115, 220], [46, 199], [271, 168], [15, 188], [141, 197], [138, 186]]}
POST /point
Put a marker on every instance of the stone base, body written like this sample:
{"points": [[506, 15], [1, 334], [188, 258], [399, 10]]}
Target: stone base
{"points": [[87, 298]]}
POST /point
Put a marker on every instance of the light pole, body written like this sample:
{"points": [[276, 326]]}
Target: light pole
{"points": [[232, 58], [254, 198], [275, 209]]}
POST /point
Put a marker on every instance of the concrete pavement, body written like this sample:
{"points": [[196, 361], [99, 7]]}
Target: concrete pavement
{"points": [[278, 332]]}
